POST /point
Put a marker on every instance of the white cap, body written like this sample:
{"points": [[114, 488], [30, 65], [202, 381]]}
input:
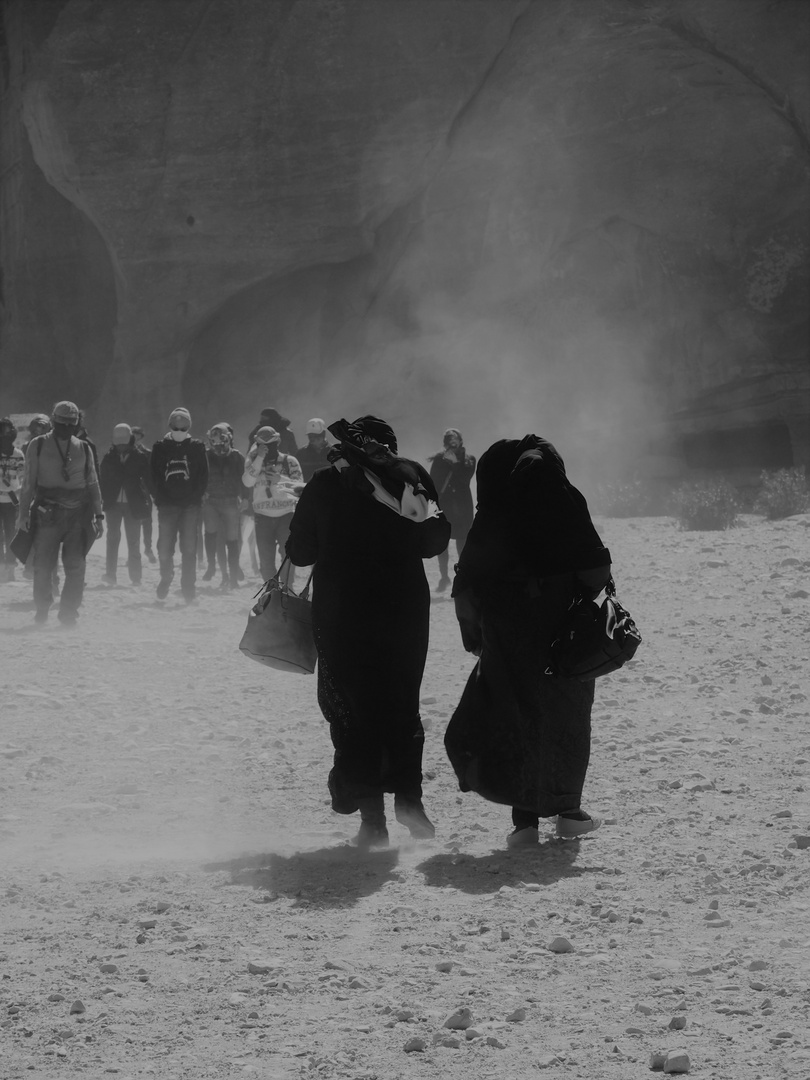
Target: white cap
{"points": [[315, 426]]}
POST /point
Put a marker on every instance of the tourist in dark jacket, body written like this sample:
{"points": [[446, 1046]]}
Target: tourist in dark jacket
{"points": [[315, 454], [179, 470], [452, 471], [221, 505], [272, 418], [124, 479], [519, 736], [366, 524], [146, 523]]}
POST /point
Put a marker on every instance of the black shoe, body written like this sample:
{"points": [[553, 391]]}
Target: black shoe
{"points": [[443, 583], [151, 556], [162, 591], [411, 814], [209, 573], [371, 835]]}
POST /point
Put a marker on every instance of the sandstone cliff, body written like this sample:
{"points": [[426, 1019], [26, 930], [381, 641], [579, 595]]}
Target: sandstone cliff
{"points": [[586, 217]]}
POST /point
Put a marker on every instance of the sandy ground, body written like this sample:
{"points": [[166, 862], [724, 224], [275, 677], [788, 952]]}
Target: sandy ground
{"points": [[170, 861]]}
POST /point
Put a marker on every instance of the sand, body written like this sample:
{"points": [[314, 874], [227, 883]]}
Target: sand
{"points": [[170, 860]]}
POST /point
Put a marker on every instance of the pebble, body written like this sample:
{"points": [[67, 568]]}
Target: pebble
{"points": [[757, 965], [802, 842], [459, 1020], [677, 1061], [77, 1007], [414, 1045], [147, 924], [472, 1033], [677, 1023], [645, 1009], [444, 965], [657, 1060], [546, 1061], [56, 997], [783, 813], [441, 1039], [560, 945], [493, 1041], [517, 1016], [108, 969], [258, 967]]}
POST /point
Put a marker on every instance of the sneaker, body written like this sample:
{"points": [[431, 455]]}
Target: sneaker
{"points": [[571, 827], [109, 579], [411, 814], [162, 590], [151, 556], [526, 837]]}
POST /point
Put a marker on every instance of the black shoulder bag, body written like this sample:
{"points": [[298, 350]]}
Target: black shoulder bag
{"points": [[597, 636]]}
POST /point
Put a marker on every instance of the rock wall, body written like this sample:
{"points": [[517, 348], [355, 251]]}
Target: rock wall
{"points": [[587, 217]]}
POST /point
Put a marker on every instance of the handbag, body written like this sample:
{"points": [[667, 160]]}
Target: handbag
{"points": [[597, 636], [279, 628]]}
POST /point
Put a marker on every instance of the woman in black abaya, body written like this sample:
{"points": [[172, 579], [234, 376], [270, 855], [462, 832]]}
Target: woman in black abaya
{"points": [[366, 524], [521, 737]]}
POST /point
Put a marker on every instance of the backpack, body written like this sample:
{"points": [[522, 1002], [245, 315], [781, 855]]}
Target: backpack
{"points": [[177, 476]]}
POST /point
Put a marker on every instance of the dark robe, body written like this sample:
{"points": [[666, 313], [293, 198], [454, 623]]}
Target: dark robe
{"points": [[518, 736], [452, 480], [370, 613]]}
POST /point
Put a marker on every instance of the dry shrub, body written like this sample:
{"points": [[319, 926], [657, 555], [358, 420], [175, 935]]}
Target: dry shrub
{"points": [[782, 493], [705, 504]]}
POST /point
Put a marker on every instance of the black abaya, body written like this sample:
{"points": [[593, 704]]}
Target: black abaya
{"points": [[370, 613]]}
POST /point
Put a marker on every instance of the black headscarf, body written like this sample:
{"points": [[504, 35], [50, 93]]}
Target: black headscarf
{"points": [[392, 473], [529, 513]]}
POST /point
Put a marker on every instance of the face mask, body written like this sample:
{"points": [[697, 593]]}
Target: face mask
{"points": [[64, 431], [179, 436]]}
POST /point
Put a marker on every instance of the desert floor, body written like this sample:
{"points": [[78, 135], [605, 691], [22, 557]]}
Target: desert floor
{"points": [[170, 860]]}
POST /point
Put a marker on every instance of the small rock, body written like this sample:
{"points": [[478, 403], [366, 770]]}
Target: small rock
{"points": [[757, 965], [403, 1015], [677, 1061], [560, 945], [442, 1039], [646, 1010], [783, 813], [517, 1016], [77, 1008], [633, 1031], [161, 907], [459, 1020], [505, 935], [56, 997], [415, 1045], [546, 1061], [147, 924], [258, 967], [802, 842], [108, 969], [472, 1033], [444, 965], [677, 1023], [492, 1041], [657, 1060]]}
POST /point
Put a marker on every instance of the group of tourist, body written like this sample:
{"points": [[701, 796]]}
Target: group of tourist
{"points": [[364, 518]]}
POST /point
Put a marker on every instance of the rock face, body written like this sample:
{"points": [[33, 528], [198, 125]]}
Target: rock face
{"points": [[590, 218]]}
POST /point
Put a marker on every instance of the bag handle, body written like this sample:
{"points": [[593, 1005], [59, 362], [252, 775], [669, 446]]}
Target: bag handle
{"points": [[275, 582]]}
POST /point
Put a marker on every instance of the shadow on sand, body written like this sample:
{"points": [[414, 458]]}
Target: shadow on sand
{"points": [[542, 864], [335, 877]]}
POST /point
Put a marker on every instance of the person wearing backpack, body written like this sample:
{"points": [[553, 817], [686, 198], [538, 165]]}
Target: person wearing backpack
{"points": [[277, 482], [61, 501], [179, 469]]}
